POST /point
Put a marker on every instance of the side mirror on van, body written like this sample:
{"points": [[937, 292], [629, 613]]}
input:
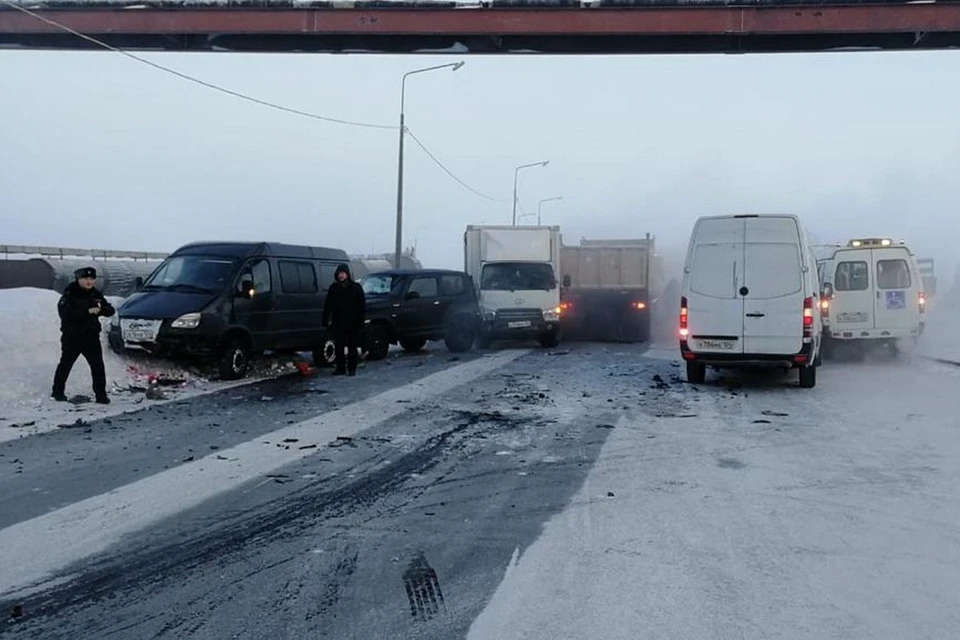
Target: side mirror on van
{"points": [[411, 295], [827, 292], [246, 289], [138, 283], [567, 281]]}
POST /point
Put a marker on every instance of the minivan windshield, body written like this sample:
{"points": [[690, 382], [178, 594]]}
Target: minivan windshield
{"points": [[192, 274], [378, 285], [517, 276]]}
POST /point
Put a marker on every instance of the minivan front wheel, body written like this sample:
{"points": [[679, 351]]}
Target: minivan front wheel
{"points": [[234, 361], [326, 355]]}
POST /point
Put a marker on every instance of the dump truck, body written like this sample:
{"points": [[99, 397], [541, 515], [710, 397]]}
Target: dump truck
{"points": [[609, 289]]}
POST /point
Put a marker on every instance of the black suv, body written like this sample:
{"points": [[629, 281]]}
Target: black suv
{"points": [[409, 307]]}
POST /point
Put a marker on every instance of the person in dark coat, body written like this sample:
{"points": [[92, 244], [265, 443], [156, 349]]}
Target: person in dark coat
{"points": [[344, 312], [81, 306]]}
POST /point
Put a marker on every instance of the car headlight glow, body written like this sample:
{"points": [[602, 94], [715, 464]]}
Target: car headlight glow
{"points": [[551, 315], [186, 321]]}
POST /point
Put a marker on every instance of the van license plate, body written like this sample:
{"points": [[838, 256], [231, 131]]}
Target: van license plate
{"points": [[139, 330], [519, 324], [720, 345]]}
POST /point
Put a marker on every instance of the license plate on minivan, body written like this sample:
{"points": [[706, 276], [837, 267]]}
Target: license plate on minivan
{"points": [[519, 324], [719, 345]]}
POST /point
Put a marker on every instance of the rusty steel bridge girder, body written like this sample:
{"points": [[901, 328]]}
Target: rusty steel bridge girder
{"points": [[650, 28]]}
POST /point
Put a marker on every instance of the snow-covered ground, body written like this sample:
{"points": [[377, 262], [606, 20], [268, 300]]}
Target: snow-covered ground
{"points": [[941, 338], [30, 350], [762, 512]]}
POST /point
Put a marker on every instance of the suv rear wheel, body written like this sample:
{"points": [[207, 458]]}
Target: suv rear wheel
{"points": [[460, 334]]}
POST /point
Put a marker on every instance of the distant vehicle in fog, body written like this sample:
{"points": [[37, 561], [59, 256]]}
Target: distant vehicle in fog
{"points": [[226, 301], [872, 294], [749, 296], [609, 288]]}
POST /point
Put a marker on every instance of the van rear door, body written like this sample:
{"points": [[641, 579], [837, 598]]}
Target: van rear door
{"points": [[715, 310], [773, 291], [897, 290], [852, 309]]}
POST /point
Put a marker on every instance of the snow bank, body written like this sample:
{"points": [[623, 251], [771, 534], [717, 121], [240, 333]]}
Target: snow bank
{"points": [[30, 350]]}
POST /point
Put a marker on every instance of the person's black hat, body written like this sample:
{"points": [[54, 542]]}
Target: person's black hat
{"points": [[85, 272]]}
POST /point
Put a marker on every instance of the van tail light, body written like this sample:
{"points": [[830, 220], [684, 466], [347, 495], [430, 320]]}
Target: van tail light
{"points": [[807, 319], [640, 306], [824, 308], [684, 329], [922, 301]]}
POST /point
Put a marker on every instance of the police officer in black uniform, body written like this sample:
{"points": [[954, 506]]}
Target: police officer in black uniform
{"points": [[81, 306], [344, 312]]}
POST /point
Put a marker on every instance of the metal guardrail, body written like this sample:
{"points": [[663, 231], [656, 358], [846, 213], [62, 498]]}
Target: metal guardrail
{"points": [[66, 252]]}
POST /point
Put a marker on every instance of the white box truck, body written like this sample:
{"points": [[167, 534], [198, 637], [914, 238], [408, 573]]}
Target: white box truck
{"points": [[515, 272]]}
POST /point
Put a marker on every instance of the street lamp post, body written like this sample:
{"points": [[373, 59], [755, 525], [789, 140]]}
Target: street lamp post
{"points": [[398, 249], [516, 175], [540, 205]]}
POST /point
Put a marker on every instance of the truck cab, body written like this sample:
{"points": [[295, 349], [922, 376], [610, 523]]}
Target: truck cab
{"points": [[515, 271]]}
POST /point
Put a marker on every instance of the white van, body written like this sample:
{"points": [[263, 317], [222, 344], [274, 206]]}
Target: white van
{"points": [[872, 292], [749, 296]]}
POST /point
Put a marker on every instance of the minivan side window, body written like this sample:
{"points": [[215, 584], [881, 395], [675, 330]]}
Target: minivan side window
{"points": [[260, 270], [257, 272], [327, 273], [452, 285], [297, 277], [852, 276], [893, 274]]}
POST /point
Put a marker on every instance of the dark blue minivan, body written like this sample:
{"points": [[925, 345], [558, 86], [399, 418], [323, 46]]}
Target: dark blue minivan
{"points": [[224, 301]]}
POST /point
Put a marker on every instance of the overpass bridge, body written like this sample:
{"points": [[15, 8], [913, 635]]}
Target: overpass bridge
{"points": [[485, 27]]}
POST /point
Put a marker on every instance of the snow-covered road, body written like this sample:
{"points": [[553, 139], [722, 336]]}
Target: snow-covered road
{"points": [[585, 492], [759, 512]]}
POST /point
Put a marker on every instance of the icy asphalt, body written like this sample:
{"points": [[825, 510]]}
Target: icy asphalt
{"points": [[585, 492]]}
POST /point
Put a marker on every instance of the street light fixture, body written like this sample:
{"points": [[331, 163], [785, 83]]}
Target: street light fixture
{"points": [[398, 249], [516, 175], [540, 205]]}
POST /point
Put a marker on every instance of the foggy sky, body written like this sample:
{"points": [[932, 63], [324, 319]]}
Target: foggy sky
{"points": [[99, 151]]}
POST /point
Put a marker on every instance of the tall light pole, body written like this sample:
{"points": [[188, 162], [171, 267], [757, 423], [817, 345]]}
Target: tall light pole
{"points": [[398, 249], [516, 175], [540, 205]]}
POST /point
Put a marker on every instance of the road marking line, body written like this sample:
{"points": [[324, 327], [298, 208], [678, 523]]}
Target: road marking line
{"points": [[32, 551]]}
